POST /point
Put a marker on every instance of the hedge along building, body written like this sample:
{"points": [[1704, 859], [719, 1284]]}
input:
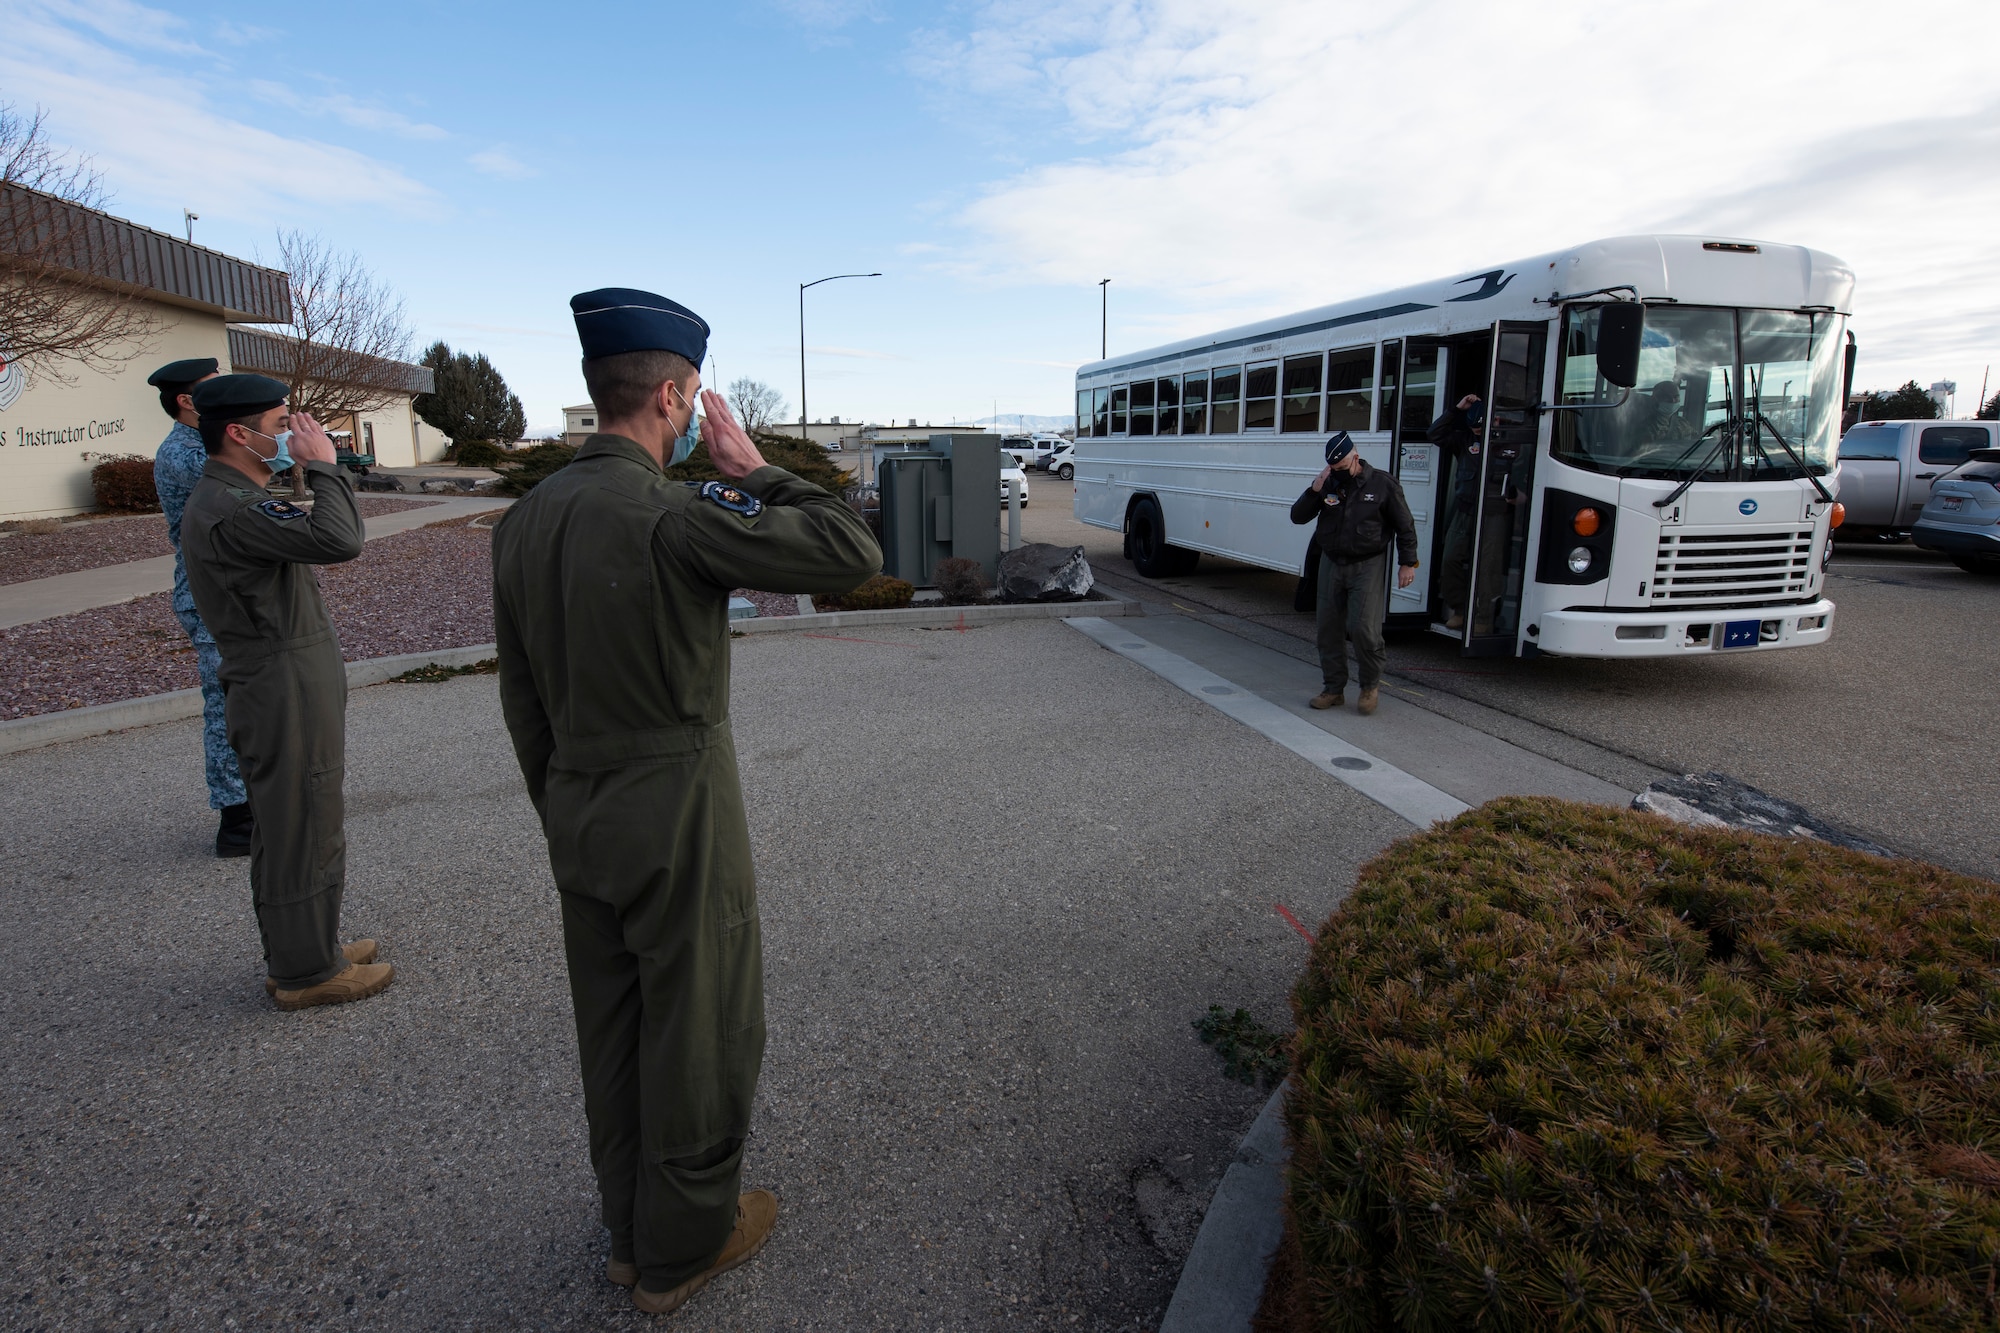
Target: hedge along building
{"points": [[57, 421], [384, 421]]}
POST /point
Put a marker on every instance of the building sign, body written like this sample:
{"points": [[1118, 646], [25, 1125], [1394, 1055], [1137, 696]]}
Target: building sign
{"points": [[24, 438], [12, 380]]}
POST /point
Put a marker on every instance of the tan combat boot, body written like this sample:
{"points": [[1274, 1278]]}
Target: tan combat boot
{"points": [[1329, 699], [354, 951], [358, 982], [1366, 703], [756, 1214]]}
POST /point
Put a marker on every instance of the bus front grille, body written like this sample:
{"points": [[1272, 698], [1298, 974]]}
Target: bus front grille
{"points": [[1731, 566]]}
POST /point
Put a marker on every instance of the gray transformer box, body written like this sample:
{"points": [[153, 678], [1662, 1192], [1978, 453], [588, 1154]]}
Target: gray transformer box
{"points": [[940, 499]]}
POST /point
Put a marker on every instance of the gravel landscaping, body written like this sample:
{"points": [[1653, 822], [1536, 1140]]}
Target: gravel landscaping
{"points": [[94, 543], [409, 593]]}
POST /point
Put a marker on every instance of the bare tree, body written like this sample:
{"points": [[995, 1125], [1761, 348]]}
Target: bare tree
{"points": [[63, 307], [756, 404], [347, 348]]}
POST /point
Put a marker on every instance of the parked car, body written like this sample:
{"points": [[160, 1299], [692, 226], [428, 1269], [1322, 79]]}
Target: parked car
{"points": [[1028, 450], [1016, 475], [1063, 461], [1962, 516], [1887, 469]]}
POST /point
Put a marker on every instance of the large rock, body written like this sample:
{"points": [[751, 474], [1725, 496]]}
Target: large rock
{"points": [[1040, 572], [1716, 800], [379, 481]]}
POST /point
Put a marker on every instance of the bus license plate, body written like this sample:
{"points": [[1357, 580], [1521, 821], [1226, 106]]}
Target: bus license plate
{"points": [[1740, 633]]}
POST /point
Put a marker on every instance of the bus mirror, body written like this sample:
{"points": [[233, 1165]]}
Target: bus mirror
{"points": [[1620, 326]]}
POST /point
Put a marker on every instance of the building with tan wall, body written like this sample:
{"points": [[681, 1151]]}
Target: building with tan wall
{"points": [[392, 431], [57, 422]]}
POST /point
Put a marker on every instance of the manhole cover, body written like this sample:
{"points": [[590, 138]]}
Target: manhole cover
{"points": [[1217, 689], [1351, 763]]}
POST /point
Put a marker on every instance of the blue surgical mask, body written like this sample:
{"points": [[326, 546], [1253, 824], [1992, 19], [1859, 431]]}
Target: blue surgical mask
{"points": [[282, 460], [684, 444]]}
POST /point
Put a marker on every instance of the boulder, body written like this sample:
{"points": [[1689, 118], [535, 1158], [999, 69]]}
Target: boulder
{"points": [[376, 481], [1041, 572], [1716, 800]]}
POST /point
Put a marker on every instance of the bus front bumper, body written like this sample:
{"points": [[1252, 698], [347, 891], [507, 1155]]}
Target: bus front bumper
{"points": [[1683, 631]]}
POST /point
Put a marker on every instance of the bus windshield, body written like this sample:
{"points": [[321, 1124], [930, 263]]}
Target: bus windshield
{"points": [[1731, 395]]}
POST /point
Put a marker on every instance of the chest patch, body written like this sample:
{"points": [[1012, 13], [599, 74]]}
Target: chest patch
{"points": [[735, 501], [282, 510]]}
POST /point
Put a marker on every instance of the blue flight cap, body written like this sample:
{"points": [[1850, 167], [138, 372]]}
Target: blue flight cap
{"points": [[1338, 447], [611, 320], [228, 397], [183, 372]]}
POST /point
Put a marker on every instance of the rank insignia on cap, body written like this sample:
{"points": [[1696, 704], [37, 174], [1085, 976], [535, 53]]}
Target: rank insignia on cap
{"points": [[282, 510], [735, 501]]}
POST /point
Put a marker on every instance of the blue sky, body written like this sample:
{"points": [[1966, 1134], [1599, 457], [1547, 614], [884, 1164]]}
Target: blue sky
{"points": [[1219, 161]]}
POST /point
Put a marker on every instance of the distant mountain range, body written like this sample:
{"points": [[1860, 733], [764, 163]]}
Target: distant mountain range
{"points": [[1024, 421]]}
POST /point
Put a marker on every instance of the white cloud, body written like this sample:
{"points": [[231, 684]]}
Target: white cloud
{"points": [[152, 131], [1261, 155], [346, 110], [497, 161]]}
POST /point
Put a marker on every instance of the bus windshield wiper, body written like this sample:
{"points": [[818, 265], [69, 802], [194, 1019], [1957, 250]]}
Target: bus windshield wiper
{"points": [[1757, 410], [1727, 426]]}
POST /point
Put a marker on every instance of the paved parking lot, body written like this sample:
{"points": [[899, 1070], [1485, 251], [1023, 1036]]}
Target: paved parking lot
{"points": [[1889, 729], [990, 914]]}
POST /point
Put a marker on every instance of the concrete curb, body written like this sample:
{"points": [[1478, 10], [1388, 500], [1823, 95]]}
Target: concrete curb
{"points": [[937, 617], [31, 733], [1222, 1281]]}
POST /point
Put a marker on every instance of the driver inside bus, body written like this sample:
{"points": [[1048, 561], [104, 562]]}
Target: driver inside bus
{"points": [[1665, 421]]}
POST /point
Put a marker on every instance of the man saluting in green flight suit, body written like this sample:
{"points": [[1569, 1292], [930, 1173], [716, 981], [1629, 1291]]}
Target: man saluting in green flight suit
{"points": [[610, 606], [249, 565]]}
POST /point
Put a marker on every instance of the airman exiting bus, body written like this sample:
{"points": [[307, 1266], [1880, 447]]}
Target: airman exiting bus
{"points": [[1359, 511], [1457, 434]]}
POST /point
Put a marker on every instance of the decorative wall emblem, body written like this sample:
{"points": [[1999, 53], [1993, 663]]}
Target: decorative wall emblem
{"points": [[12, 380]]}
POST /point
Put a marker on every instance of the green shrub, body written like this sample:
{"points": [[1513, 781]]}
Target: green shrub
{"points": [[1250, 1051], [477, 453], [961, 582], [124, 485], [1565, 1066], [880, 593], [534, 466], [801, 458]]}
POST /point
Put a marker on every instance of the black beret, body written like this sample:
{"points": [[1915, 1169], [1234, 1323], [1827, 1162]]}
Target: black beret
{"points": [[235, 396], [611, 320], [183, 372], [1338, 446]]}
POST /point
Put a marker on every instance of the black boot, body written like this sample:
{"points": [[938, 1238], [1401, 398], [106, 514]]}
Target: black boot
{"points": [[233, 837]]}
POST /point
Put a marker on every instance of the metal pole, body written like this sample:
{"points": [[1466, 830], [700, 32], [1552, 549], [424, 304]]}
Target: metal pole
{"points": [[804, 420], [1104, 319]]}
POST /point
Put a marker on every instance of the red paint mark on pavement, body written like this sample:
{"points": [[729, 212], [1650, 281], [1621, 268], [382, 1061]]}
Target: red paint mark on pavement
{"points": [[1285, 912]]}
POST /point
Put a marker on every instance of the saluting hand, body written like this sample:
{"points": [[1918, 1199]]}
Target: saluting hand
{"points": [[1319, 482], [730, 447], [310, 442]]}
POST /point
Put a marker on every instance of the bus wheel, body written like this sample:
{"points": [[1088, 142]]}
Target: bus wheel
{"points": [[1146, 544]]}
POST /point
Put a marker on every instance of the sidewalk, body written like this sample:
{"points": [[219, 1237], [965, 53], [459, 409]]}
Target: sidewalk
{"points": [[108, 585]]}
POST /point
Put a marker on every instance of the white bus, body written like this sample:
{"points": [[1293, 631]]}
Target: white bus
{"points": [[1676, 498]]}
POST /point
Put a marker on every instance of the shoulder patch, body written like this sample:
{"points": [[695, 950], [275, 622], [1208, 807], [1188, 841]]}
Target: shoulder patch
{"points": [[735, 501], [281, 510]]}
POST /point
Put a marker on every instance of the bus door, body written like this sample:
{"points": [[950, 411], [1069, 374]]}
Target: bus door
{"points": [[1407, 406], [1503, 514]]}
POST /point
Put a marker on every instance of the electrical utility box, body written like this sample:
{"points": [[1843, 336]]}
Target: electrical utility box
{"points": [[940, 498]]}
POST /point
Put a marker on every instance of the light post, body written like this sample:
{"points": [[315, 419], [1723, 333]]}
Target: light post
{"points": [[1104, 319], [803, 418]]}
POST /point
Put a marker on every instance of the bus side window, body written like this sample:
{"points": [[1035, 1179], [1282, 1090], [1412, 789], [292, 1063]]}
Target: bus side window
{"points": [[1100, 413], [1168, 391], [1392, 366], [1260, 396], [1142, 408], [1301, 412], [1082, 413], [1419, 393], [1226, 400], [1194, 404], [1350, 379], [1121, 398]]}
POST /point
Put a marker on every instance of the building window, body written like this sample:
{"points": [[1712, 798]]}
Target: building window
{"points": [[1168, 391], [1142, 408], [1225, 400], [1194, 404], [1350, 385], [1121, 404], [368, 437], [1260, 397], [584, 422], [1301, 412]]}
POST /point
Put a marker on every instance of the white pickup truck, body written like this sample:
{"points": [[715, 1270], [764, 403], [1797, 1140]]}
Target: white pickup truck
{"points": [[1887, 467]]}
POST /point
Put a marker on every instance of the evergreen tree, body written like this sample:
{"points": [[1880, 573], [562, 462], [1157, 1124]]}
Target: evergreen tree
{"points": [[472, 401], [1908, 403], [1990, 410]]}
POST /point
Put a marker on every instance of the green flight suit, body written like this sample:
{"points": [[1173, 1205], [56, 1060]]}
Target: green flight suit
{"points": [[249, 564], [611, 610]]}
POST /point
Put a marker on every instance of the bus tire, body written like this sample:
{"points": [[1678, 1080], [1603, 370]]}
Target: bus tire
{"points": [[1146, 543]]}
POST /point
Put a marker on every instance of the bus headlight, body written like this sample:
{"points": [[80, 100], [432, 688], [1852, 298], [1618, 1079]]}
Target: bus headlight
{"points": [[1579, 560], [1836, 516]]}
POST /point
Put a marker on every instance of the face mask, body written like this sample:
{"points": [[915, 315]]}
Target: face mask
{"points": [[684, 444], [282, 460]]}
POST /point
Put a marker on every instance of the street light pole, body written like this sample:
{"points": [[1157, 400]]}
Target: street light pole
{"points": [[803, 418], [1104, 319]]}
